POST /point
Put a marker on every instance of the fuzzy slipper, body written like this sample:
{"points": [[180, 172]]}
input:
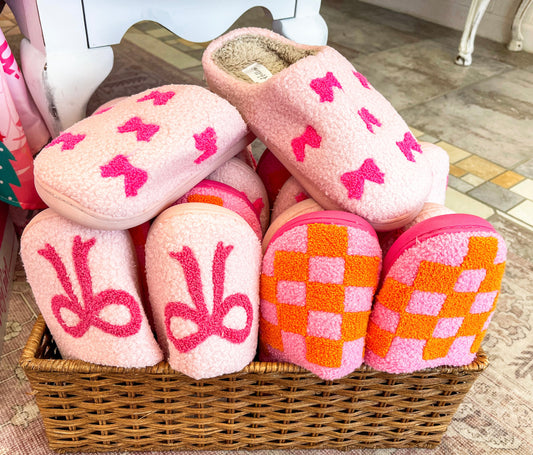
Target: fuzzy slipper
{"points": [[86, 286], [340, 138], [217, 193], [440, 167], [244, 179], [290, 193], [203, 264], [319, 274], [272, 173], [440, 283], [120, 168], [247, 157]]}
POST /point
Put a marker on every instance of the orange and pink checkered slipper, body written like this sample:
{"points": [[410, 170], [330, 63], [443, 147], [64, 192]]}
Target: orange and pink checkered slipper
{"points": [[319, 274], [441, 280]]}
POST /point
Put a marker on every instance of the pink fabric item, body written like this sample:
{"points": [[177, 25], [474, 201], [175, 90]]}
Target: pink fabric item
{"points": [[217, 193], [440, 165], [204, 300], [440, 283], [314, 115], [272, 173], [85, 282], [132, 161], [247, 157], [108, 105], [290, 193], [244, 179], [319, 274]]}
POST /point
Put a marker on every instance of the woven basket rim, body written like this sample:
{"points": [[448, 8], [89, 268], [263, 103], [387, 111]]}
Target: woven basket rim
{"points": [[29, 361]]}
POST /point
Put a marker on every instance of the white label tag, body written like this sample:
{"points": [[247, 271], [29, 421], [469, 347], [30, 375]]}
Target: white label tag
{"points": [[257, 72]]}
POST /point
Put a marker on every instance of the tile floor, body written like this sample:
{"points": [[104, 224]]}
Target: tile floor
{"points": [[481, 115]]}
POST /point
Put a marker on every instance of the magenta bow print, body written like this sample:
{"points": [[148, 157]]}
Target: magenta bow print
{"points": [[88, 314], [208, 324]]}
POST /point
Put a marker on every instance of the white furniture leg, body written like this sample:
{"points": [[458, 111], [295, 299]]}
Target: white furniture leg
{"points": [[466, 47], [306, 27], [516, 33]]}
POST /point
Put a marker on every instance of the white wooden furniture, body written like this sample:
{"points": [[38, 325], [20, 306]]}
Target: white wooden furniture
{"points": [[66, 53], [475, 14]]}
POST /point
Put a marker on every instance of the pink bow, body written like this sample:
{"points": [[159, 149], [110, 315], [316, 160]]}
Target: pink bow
{"points": [[159, 98], [206, 142], [355, 181], [67, 140], [409, 143], [208, 324], [134, 177], [145, 131], [309, 137], [94, 304], [324, 86]]}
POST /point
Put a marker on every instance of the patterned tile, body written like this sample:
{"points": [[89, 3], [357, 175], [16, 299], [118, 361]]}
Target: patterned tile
{"points": [[456, 171], [455, 153], [507, 179], [524, 188], [473, 180], [428, 138], [526, 168], [416, 133], [496, 196], [461, 203], [523, 212], [480, 167], [459, 184]]}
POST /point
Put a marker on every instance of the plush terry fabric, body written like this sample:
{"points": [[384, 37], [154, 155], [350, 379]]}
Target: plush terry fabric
{"points": [[440, 165], [120, 167], [340, 138], [244, 179], [86, 286], [246, 156], [203, 265], [441, 281], [290, 193], [272, 173], [213, 192], [318, 279]]}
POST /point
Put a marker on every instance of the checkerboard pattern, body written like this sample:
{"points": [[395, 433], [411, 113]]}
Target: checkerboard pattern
{"points": [[444, 314], [316, 304]]}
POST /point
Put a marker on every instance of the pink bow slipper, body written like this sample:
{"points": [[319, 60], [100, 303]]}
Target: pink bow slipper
{"points": [[440, 283], [335, 133], [203, 265], [122, 166], [86, 286], [320, 270], [272, 173]]}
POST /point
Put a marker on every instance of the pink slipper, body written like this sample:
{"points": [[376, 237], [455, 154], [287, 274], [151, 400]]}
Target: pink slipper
{"points": [[440, 283], [243, 178], [337, 135], [290, 193], [120, 168], [203, 265], [272, 173], [319, 274], [439, 162], [86, 286], [217, 193], [247, 157]]}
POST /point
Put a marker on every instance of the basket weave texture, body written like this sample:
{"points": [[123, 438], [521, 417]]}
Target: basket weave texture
{"points": [[87, 407]]}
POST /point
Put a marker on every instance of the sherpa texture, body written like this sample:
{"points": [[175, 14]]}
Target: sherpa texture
{"points": [[272, 173], [108, 105], [341, 139], [437, 298], [317, 284], [203, 265], [243, 178], [122, 166], [439, 162], [86, 285], [290, 193], [217, 193]]}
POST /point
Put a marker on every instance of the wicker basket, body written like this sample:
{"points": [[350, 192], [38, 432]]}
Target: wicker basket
{"points": [[87, 407]]}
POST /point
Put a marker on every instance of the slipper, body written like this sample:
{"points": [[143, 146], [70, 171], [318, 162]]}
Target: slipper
{"points": [[290, 193], [247, 157], [439, 162], [203, 264], [272, 173], [86, 286], [217, 193], [440, 283], [122, 167], [319, 274], [335, 133], [244, 179]]}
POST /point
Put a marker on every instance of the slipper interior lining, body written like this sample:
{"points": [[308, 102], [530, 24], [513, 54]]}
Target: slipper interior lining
{"points": [[245, 50]]}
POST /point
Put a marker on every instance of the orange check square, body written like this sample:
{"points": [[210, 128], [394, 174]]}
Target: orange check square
{"points": [[417, 326]]}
